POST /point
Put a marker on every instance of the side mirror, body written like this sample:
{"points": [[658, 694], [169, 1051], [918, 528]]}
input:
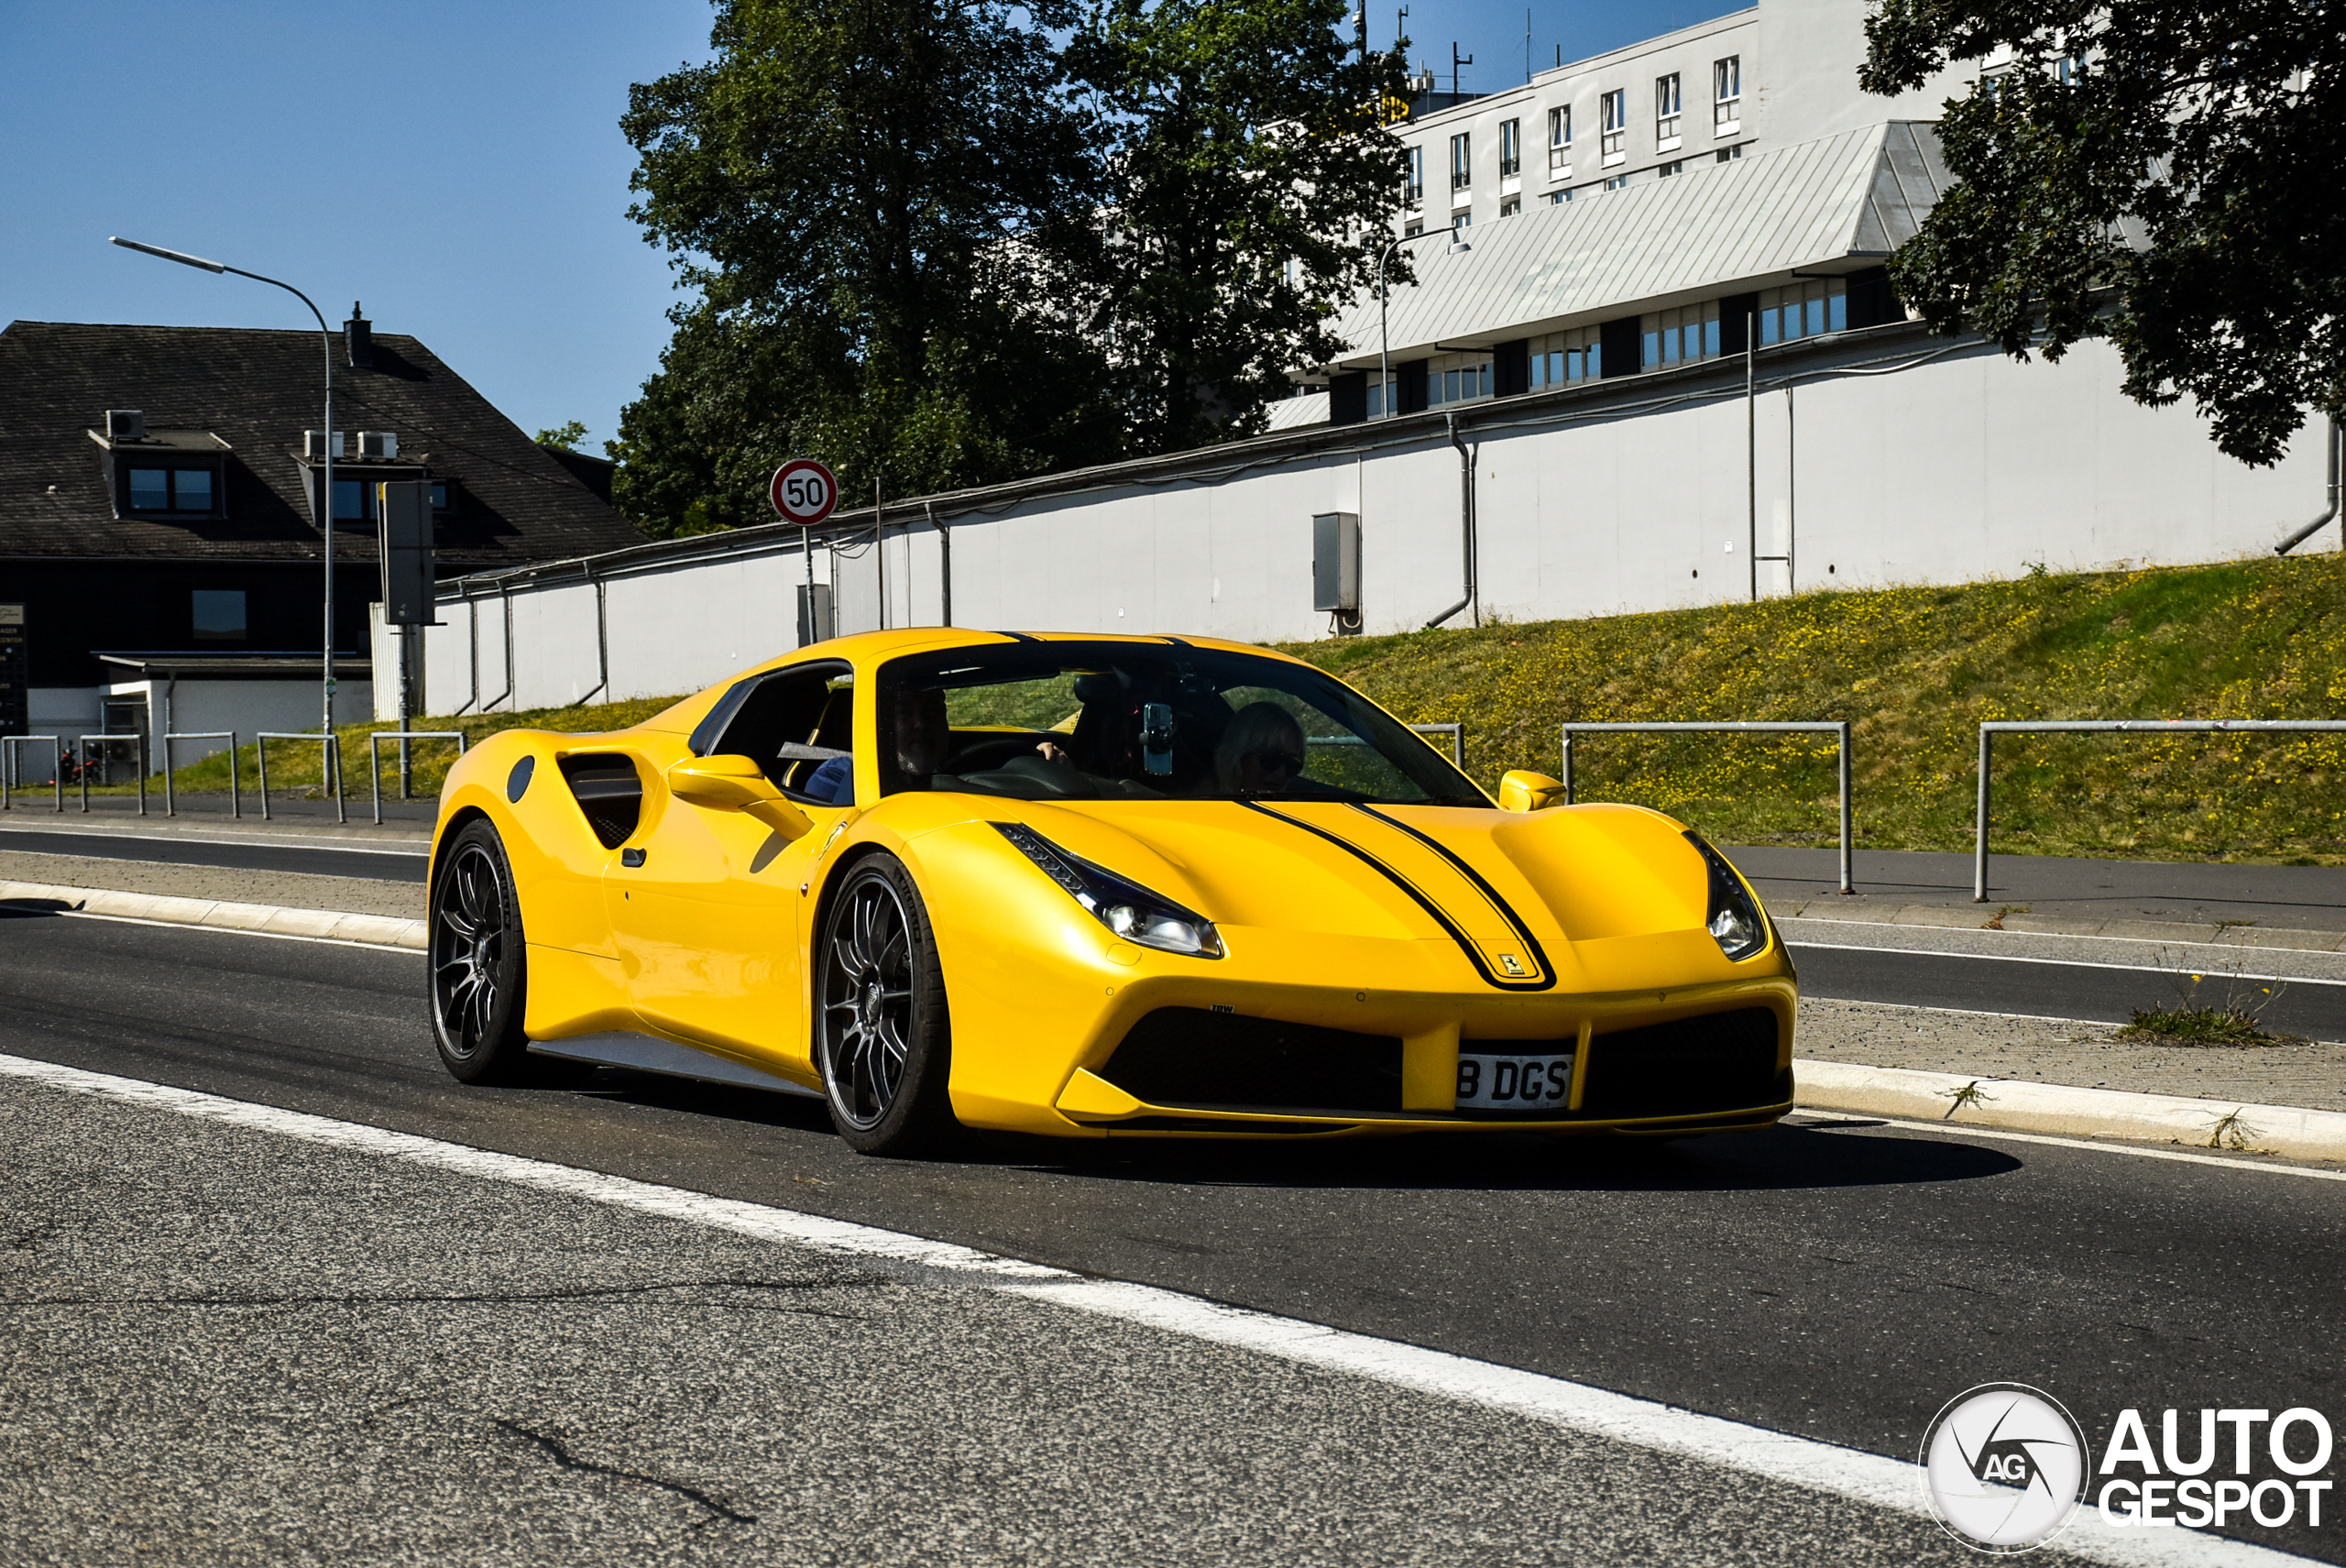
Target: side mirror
{"points": [[1522, 791], [736, 783]]}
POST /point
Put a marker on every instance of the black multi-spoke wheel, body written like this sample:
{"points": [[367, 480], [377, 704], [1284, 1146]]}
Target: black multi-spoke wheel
{"points": [[477, 969], [882, 1039]]}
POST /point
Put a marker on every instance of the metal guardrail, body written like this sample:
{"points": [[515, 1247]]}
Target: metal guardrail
{"points": [[329, 762], [138, 765], [170, 806], [9, 744], [375, 739], [1457, 733], [1994, 728], [1838, 729]]}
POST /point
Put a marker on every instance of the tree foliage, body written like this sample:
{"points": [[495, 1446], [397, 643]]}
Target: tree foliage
{"points": [[2160, 172], [1249, 187], [562, 437], [939, 243]]}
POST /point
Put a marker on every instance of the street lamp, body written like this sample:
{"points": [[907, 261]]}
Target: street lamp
{"points": [[1458, 247], [326, 477]]}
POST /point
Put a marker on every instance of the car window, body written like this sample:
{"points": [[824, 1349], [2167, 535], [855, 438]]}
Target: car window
{"points": [[1043, 720], [792, 723]]}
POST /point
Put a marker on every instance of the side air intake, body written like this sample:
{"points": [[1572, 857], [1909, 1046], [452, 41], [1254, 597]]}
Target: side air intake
{"points": [[609, 792]]}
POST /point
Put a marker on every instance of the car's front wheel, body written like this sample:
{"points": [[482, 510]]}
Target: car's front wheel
{"points": [[882, 1040], [479, 970]]}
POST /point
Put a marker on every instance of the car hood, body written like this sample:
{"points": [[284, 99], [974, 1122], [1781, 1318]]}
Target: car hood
{"points": [[1516, 890]]}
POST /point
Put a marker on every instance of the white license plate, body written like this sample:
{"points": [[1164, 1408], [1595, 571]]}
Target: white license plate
{"points": [[1513, 1083]]}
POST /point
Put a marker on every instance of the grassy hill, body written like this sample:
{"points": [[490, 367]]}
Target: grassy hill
{"points": [[1913, 670]]}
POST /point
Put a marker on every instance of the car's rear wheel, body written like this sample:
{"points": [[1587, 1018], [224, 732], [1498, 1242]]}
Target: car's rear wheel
{"points": [[883, 1039], [479, 969]]}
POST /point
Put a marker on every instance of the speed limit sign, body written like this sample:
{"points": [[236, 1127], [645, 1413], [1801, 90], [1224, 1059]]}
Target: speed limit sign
{"points": [[804, 491]]}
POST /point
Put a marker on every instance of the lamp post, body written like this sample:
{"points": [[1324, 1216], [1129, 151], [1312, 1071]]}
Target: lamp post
{"points": [[325, 481], [1458, 247]]}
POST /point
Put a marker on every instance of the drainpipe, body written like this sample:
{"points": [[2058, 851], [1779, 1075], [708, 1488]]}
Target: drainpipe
{"points": [[1467, 525], [602, 644], [2309, 530], [944, 564]]}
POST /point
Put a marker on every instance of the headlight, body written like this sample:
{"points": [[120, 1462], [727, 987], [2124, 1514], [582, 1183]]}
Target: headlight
{"points": [[1128, 910], [1735, 921]]}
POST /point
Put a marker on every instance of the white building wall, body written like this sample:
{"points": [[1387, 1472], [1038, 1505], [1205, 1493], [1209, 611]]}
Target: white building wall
{"points": [[1963, 466]]}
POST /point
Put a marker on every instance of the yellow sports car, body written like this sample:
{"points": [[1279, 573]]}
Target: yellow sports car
{"points": [[1091, 886]]}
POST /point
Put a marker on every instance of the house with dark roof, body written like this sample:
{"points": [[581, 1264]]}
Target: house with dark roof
{"points": [[162, 524]]}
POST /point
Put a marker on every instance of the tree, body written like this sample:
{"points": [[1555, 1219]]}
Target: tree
{"points": [[1250, 188], [867, 197], [564, 437], [2159, 172]]}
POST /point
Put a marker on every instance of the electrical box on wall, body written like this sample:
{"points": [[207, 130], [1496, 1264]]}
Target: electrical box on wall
{"points": [[1335, 563], [815, 622]]}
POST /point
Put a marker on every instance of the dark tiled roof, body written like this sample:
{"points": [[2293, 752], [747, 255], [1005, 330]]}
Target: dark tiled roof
{"points": [[258, 391]]}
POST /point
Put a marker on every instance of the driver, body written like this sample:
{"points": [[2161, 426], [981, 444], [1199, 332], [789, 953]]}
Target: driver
{"points": [[1260, 754], [923, 734]]}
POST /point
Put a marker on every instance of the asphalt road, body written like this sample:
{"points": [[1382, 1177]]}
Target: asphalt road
{"points": [[1838, 1280], [384, 863]]}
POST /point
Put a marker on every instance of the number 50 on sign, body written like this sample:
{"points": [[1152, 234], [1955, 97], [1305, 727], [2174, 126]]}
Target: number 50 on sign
{"points": [[804, 491]]}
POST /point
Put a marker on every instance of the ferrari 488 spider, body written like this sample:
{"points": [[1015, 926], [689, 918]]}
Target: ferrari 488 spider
{"points": [[1091, 886]]}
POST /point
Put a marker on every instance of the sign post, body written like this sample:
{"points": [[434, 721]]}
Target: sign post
{"points": [[16, 676], [806, 493]]}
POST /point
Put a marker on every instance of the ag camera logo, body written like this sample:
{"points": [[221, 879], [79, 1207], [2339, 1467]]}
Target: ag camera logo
{"points": [[2005, 1467]]}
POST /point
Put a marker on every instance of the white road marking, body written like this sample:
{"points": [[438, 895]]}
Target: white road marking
{"points": [[2139, 1151], [1870, 1478], [2167, 971]]}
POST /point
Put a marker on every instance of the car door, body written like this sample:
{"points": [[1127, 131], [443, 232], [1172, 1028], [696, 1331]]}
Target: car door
{"points": [[706, 904]]}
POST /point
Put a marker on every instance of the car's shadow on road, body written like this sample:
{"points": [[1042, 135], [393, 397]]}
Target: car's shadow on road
{"points": [[1846, 1152]]}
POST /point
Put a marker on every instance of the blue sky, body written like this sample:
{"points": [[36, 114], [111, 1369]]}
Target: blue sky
{"points": [[457, 167]]}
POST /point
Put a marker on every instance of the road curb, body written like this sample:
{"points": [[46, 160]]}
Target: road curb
{"points": [[373, 930], [1956, 1100], [1940, 917]]}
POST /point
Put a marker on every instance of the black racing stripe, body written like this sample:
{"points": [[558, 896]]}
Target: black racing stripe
{"points": [[1017, 636], [1439, 916], [1506, 909]]}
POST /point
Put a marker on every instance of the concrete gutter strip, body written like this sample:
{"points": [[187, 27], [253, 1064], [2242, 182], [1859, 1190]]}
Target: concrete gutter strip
{"points": [[375, 930], [1973, 918], [1955, 1100]]}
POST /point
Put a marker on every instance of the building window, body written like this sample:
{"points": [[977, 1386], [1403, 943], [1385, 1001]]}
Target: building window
{"points": [[1460, 221], [1667, 170], [1617, 125], [1510, 148], [1457, 378], [1803, 309], [1377, 395], [218, 615], [1560, 141], [1726, 95], [1665, 111], [1413, 228], [1729, 154], [1462, 161], [1557, 198], [172, 490], [354, 500], [440, 496], [1413, 183], [1510, 206], [1680, 336], [1616, 181], [1567, 358]]}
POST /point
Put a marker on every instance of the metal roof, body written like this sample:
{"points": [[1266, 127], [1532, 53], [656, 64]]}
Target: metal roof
{"points": [[1719, 228]]}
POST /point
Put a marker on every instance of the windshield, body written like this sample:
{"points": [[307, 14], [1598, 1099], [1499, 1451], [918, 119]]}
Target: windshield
{"points": [[1056, 720]]}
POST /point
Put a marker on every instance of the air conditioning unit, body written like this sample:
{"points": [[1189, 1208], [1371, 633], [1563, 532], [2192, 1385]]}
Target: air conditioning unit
{"points": [[314, 445], [382, 446], [126, 424]]}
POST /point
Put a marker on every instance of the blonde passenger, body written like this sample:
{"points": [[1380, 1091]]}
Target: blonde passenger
{"points": [[1261, 752]]}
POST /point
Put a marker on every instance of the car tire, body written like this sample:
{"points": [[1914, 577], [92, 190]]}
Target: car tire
{"points": [[883, 1041], [479, 968]]}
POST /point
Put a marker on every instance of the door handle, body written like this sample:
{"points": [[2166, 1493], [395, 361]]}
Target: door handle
{"points": [[630, 857]]}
